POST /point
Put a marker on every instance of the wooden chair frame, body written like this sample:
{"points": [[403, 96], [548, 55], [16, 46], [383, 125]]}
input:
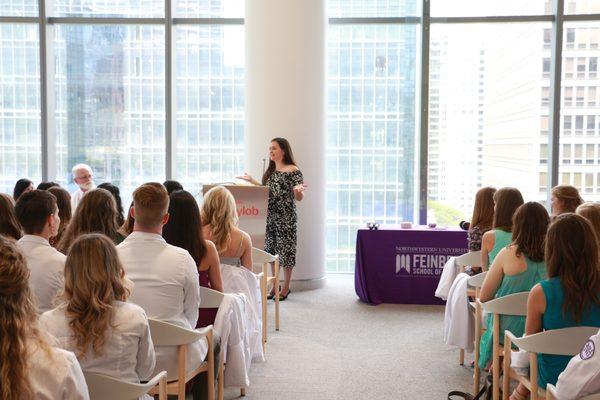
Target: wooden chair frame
{"points": [[264, 258]]}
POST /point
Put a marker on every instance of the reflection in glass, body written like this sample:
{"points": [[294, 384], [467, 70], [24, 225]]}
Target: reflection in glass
{"points": [[107, 8]]}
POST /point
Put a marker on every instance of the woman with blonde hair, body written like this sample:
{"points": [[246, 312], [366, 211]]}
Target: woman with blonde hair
{"points": [[96, 212], [219, 216], [9, 225], [564, 199], [591, 212], [109, 335], [29, 367]]}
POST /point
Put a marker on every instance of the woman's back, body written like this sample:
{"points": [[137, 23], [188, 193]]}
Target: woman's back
{"points": [[238, 250], [501, 240], [550, 366], [128, 352]]}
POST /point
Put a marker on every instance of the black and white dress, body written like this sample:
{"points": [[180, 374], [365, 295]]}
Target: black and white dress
{"points": [[282, 218]]}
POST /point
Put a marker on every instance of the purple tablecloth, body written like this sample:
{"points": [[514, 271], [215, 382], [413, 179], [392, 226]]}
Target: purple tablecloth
{"points": [[403, 266]]}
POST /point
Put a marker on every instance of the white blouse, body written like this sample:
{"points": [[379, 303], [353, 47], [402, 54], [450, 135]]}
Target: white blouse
{"points": [[128, 352], [46, 267], [166, 286], [55, 376]]}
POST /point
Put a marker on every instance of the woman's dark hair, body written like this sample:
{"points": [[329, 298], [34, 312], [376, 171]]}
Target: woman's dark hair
{"points": [[288, 158], [129, 221], [20, 187], [184, 228], [114, 190], [63, 201], [9, 225], [483, 210], [572, 256], [46, 185], [530, 224], [507, 201], [172, 186]]}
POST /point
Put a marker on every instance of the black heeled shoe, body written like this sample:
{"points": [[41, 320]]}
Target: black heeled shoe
{"points": [[282, 298], [271, 296]]}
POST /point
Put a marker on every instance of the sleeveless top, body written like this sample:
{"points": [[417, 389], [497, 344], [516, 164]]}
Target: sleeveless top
{"points": [[521, 282], [501, 240], [550, 366], [235, 261]]}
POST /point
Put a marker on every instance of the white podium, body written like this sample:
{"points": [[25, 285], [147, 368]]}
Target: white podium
{"points": [[251, 203]]}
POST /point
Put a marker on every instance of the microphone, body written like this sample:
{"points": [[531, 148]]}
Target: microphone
{"points": [[464, 225]]}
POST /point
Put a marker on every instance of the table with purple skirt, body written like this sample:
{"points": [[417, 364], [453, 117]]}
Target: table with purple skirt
{"points": [[403, 266]]}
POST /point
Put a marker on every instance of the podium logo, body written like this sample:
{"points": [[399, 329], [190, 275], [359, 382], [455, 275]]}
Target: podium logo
{"points": [[402, 263], [247, 211]]}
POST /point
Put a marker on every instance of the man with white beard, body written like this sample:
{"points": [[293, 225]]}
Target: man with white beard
{"points": [[84, 178]]}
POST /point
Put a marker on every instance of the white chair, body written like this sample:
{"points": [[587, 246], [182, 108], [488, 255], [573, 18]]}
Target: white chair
{"points": [[101, 387], [264, 258], [166, 334], [565, 342], [513, 304], [551, 394], [213, 299], [474, 283], [472, 258]]}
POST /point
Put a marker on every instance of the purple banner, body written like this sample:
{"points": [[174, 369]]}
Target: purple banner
{"points": [[403, 266]]}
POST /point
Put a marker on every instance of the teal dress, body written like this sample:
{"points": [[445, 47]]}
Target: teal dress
{"points": [[523, 282], [501, 240], [550, 366]]}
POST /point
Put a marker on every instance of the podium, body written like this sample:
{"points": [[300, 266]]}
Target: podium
{"points": [[251, 203]]}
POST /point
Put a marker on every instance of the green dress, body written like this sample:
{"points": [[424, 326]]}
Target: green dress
{"points": [[501, 240], [522, 282], [550, 366]]}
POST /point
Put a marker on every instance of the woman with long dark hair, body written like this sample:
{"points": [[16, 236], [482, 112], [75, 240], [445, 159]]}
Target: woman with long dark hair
{"points": [[23, 185], [286, 186], [63, 201], [114, 190], [9, 225], [483, 217]]}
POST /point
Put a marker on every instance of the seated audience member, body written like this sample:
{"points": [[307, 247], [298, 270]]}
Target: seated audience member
{"points": [[516, 268], [127, 227], [571, 295], [116, 193], [9, 226], [83, 176], [39, 216], [47, 185], [219, 217], [63, 200], [591, 212], [22, 186], [506, 202], [184, 230], [483, 217], [172, 186], [165, 278], [564, 199], [582, 376], [29, 367], [108, 335], [97, 212]]}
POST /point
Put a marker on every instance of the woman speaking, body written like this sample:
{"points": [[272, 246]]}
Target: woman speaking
{"points": [[285, 183]]}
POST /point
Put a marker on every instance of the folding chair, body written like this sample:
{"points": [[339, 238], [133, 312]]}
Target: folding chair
{"points": [[264, 258], [564, 342], [551, 394], [475, 282], [513, 304], [101, 387], [166, 334]]}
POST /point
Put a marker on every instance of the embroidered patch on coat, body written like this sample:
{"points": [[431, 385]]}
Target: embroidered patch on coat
{"points": [[588, 350]]}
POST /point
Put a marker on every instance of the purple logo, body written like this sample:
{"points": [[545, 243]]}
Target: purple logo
{"points": [[588, 350]]}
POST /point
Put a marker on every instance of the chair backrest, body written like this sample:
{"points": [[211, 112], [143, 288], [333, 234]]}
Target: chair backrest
{"points": [[103, 387], [210, 298], [261, 256], [562, 342], [166, 334], [476, 281], [512, 304], [472, 258]]}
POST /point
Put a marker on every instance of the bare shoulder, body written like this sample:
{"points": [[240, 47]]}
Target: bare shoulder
{"points": [[488, 239], [246, 238], [210, 246], [291, 168]]}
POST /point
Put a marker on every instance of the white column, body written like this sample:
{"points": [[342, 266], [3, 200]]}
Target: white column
{"points": [[285, 96]]}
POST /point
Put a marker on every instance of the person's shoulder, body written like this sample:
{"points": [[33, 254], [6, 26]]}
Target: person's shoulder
{"points": [[130, 313], [51, 317], [210, 246], [290, 168], [246, 237]]}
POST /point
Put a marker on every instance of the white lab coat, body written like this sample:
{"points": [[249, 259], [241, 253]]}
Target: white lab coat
{"points": [[446, 279], [166, 286], [128, 352], [582, 375], [459, 322], [46, 267], [76, 197], [55, 376]]}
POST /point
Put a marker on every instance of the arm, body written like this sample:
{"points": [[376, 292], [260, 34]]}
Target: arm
{"points": [[214, 267], [191, 290], [146, 359], [536, 306], [249, 178], [494, 277], [246, 251], [298, 184], [487, 244]]}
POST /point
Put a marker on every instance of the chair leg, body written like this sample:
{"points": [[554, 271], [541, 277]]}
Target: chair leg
{"points": [[496, 358], [220, 380], [461, 357], [506, 369], [476, 371], [242, 392], [263, 291], [277, 294]]}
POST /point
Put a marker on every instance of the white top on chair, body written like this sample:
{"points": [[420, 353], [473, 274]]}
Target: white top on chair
{"points": [[512, 304], [106, 387]]}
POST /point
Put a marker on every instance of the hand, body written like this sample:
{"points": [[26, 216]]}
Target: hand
{"points": [[299, 189], [246, 177]]}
